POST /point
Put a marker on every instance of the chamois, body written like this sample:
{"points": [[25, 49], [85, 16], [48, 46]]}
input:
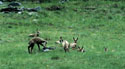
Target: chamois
{"points": [[73, 45], [36, 40], [81, 49], [65, 44], [105, 49], [35, 34]]}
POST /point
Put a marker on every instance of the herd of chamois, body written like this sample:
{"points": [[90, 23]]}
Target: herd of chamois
{"points": [[64, 43]]}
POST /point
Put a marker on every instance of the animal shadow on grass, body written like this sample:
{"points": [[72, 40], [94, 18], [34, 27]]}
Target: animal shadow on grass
{"points": [[55, 58]]}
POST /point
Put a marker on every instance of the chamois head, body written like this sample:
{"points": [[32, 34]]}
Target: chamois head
{"points": [[60, 40], [75, 40], [74, 44], [81, 49], [35, 34], [65, 44]]}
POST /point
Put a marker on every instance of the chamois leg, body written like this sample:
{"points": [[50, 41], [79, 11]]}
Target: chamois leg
{"points": [[29, 49], [38, 47], [32, 48], [32, 45], [65, 49], [68, 50]]}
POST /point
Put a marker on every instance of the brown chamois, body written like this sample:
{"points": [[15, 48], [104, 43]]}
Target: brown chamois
{"points": [[73, 45], [65, 44], [81, 49], [35, 34], [105, 49], [36, 40]]}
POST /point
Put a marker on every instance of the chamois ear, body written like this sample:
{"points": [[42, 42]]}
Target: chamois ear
{"points": [[77, 39], [60, 37], [73, 38], [82, 47]]}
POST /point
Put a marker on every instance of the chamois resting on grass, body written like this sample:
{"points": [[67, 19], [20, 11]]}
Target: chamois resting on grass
{"points": [[105, 49], [81, 49], [36, 40], [65, 44], [73, 45]]}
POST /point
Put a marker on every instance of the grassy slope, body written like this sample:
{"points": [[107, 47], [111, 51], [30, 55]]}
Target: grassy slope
{"points": [[96, 29]]}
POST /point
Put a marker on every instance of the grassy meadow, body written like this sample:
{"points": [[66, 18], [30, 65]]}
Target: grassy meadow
{"points": [[97, 24]]}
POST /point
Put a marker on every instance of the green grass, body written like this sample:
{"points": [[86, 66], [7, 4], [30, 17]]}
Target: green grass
{"points": [[96, 29]]}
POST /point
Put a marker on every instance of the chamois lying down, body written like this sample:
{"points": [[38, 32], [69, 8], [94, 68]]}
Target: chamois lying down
{"points": [[81, 49], [74, 44], [35, 34]]}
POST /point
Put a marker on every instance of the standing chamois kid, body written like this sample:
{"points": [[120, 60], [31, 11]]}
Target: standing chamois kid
{"points": [[65, 44], [36, 40]]}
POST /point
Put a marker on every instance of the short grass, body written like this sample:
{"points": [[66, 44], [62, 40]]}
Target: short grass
{"points": [[103, 26]]}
